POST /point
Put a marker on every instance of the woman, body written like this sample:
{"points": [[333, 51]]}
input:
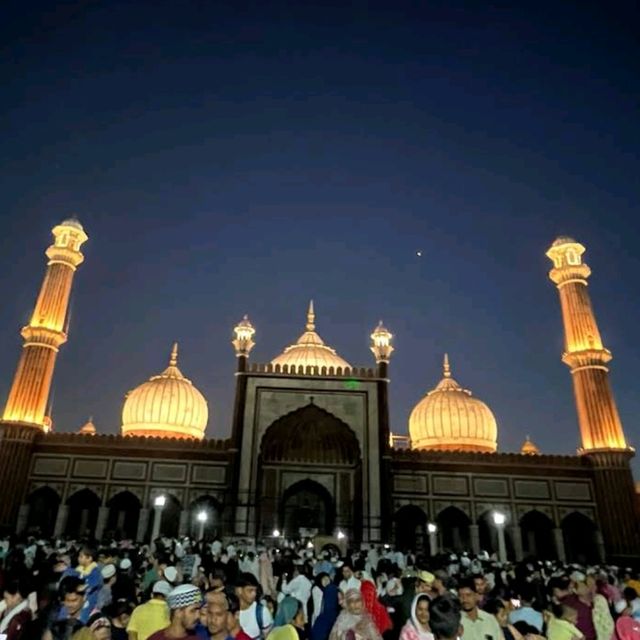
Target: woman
{"points": [[496, 607], [317, 593], [289, 621], [354, 623], [417, 627], [17, 615], [328, 613], [601, 615], [377, 611]]}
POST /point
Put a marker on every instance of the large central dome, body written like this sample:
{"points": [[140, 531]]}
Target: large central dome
{"points": [[166, 406], [449, 418], [310, 350]]}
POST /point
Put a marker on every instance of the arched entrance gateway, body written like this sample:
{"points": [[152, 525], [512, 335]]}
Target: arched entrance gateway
{"points": [[309, 476]]}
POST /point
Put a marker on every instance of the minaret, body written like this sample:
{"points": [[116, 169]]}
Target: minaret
{"points": [[46, 330], [584, 354], [603, 441], [382, 349]]}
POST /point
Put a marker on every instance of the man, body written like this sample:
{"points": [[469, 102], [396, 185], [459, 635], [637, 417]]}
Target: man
{"points": [[14, 623], [233, 619], [444, 618], [582, 601], [185, 602], [477, 624], [151, 616], [74, 612], [299, 587], [441, 582], [424, 582], [255, 619], [105, 596], [217, 616], [349, 580], [89, 571], [526, 612]]}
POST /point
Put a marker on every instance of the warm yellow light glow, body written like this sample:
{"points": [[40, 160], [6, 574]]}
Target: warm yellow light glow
{"points": [[310, 350], [381, 343], [529, 448], [244, 333], [166, 406], [449, 418]]}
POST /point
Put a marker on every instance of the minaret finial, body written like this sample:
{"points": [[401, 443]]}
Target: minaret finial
{"points": [[446, 367], [173, 360], [311, 318]]}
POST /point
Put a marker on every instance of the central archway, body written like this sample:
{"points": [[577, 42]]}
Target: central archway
{"points": [[309, 475], [307, 506]]}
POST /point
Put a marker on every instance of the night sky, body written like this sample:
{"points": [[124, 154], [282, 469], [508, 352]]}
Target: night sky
{"points": [[246, 157]]}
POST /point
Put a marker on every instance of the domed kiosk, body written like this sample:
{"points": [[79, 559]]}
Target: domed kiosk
{"points": [[449, 418]]}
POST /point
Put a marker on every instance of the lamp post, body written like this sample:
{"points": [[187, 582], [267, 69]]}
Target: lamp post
{"points": [[276, 533], [499, 520], [202, 518], [158, 506], [432, 529]]}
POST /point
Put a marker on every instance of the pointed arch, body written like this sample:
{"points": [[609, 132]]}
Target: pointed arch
{"points": [[453, 528], [579, 532], [43, 509], [83, 513], [307, 505], [536, 529], [410, 526], [124, 513]]}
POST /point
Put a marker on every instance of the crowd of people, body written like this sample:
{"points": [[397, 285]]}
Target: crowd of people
{"points": [[178, 589]]}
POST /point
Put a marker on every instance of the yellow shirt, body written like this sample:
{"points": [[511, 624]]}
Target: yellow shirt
{"points": [[148, 618], [562, 630]]}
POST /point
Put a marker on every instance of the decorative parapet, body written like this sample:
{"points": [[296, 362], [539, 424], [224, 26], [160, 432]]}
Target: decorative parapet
{"points": [[312, 370]]}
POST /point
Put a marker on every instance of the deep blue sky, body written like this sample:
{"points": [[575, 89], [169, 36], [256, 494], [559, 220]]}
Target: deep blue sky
{"points": [[244, 157]]}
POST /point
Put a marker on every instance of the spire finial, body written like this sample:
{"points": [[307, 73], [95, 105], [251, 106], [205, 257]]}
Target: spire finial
{"points": [[446, 367], [173, 360], [311, 317]]}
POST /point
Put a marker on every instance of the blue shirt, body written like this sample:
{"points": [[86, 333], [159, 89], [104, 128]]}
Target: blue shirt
{"points": [[528, 615]]}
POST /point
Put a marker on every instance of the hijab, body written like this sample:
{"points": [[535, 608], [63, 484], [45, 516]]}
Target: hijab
{"points": [[378, 612], [328, 613]]}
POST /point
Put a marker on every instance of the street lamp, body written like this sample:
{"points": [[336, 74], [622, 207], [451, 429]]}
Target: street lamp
{"points": [[499, 520], [276, 533], [158, 505], [202, 518], [341, 535], [432, 529]]}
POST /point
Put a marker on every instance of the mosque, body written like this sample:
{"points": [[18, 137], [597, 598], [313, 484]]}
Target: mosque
{"points": [[310, 451]]}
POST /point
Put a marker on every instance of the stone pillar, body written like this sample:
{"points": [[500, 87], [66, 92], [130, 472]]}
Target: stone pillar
{"points": [[23, 518], [558, 538], [602, 554], [103, 515], [516, 538], [183, 527], [61, 520], [474, 532], [143, 523]]}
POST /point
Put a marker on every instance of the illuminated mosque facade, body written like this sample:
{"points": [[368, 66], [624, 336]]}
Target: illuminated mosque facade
{"points": [[310, 450]]}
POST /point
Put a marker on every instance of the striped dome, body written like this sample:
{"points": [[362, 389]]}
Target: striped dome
{"points": [[166, 406], [310, 350], [449, 418]]}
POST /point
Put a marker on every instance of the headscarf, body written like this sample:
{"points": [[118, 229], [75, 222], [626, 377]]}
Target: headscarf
{"points": [[328, 613], [286, 612], [379, 613], [361, 624], [424, 635]]}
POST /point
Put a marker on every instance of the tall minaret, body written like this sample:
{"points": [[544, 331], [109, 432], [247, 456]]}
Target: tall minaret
{"points": [[584, 354], [603, 441], [46, 330]]}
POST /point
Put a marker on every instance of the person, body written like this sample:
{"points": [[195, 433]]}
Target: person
{"points": [[185, 602], [299, 587], [89, 571], [120, 615], [233, 618], [216, 621], [525, 612], [255, 618], [354, 622], [580, 599], [379, 613], [477, 624], [600, 612], [151, 616], [417, 626], [497, 608], [289, 621], [15, 620], [329, 610], [98, 628], [562, 624], [445, 619], [629, 605], [73, 613], [105, 596], [349, 580], [320, 581]]}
